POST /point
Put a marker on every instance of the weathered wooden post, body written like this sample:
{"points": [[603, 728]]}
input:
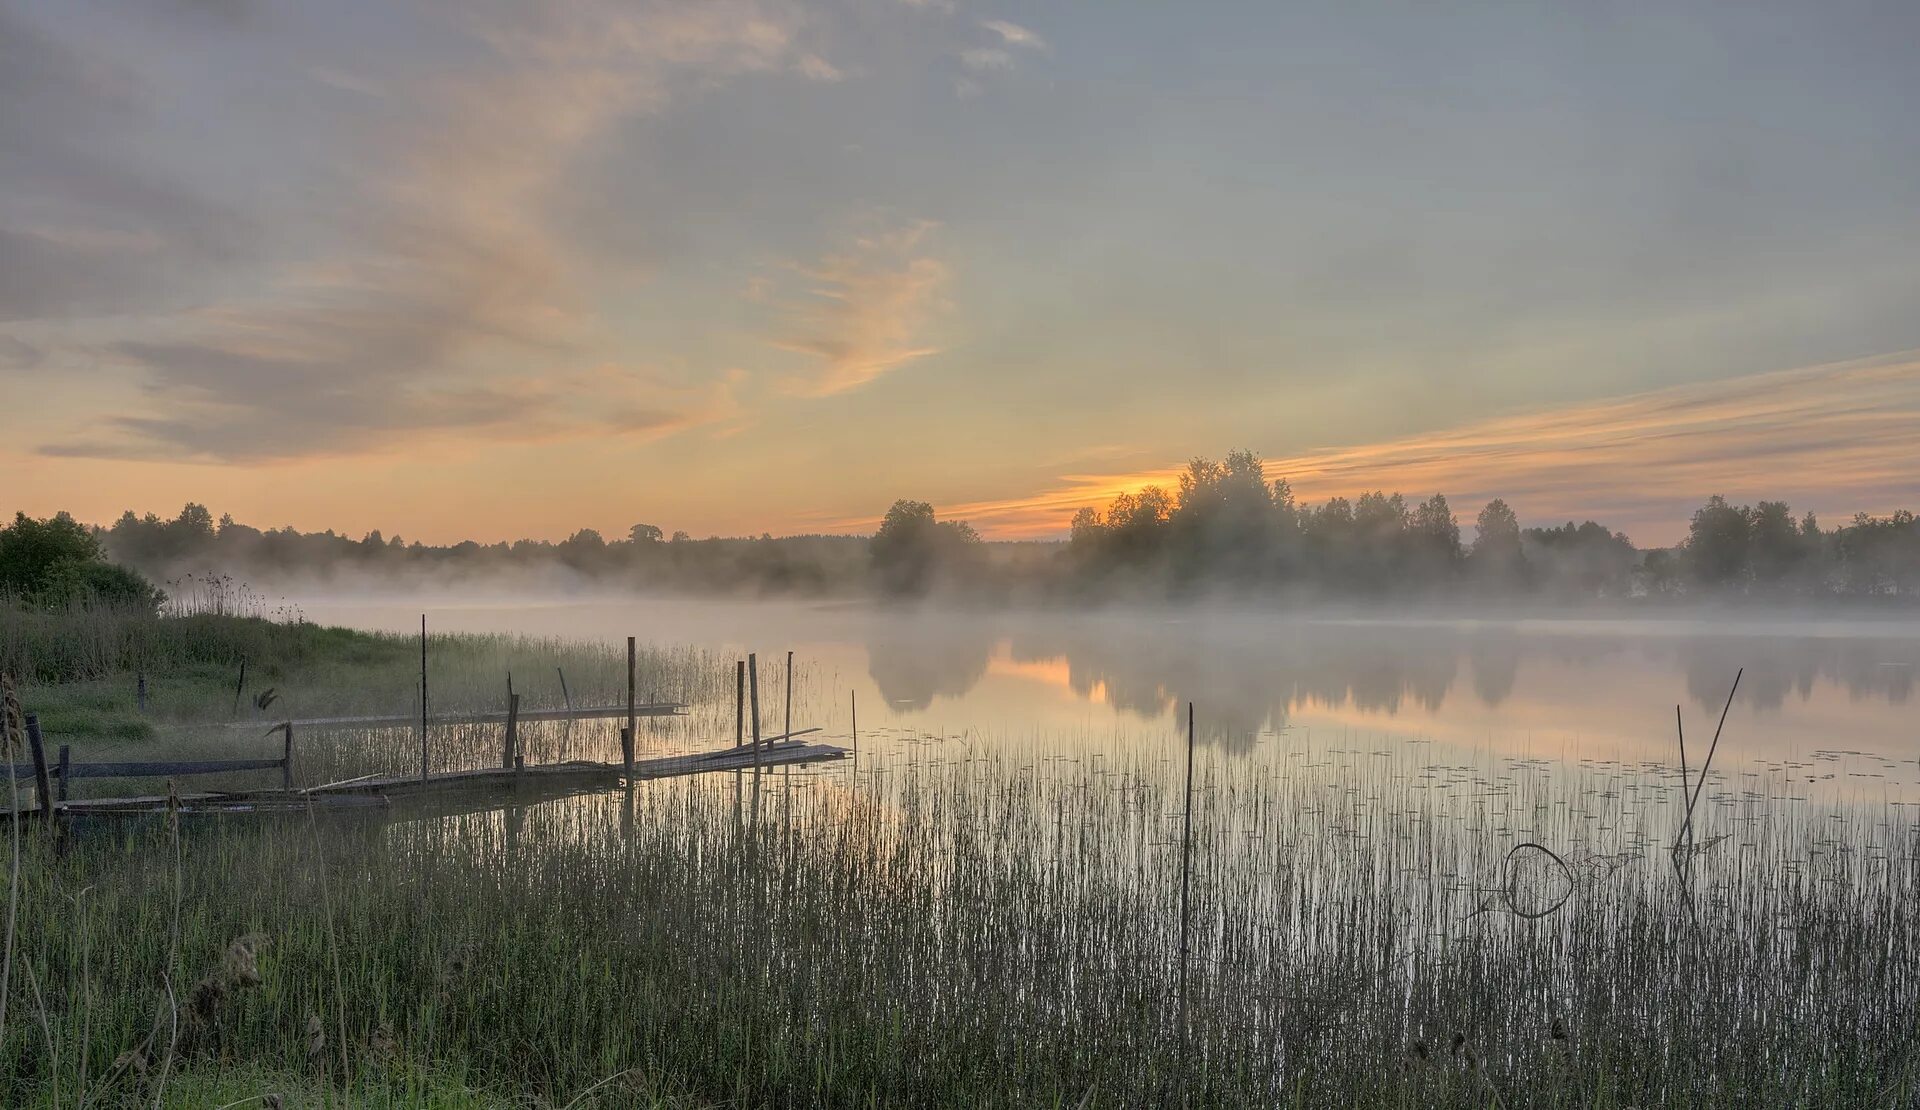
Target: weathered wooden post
{"points": [[739, 728], [512, 747], [753, 693], [566, 696], [853, 707], [42, 789], [423, 697], [286, 756], [633, 720], [66, 768]]}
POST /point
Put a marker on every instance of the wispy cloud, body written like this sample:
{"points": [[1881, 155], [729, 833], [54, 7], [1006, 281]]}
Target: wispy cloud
{"points": [[986, 58], [996, 56], [1015, 35], [444, 280], [863, 310], [1838, 439]]}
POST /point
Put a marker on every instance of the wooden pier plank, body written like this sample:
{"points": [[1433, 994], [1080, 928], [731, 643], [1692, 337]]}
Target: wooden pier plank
{"points": [[390, 720], [551, 779]]}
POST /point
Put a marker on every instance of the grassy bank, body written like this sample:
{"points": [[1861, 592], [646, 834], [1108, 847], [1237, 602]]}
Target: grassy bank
{"points": [[966, 934], [81, 669]]}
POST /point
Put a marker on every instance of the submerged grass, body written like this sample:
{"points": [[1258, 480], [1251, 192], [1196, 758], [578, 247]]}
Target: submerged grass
{"points": [[972, 932]]}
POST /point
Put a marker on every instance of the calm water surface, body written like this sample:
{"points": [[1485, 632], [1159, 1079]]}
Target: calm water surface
{"points": [[1825, 706]]}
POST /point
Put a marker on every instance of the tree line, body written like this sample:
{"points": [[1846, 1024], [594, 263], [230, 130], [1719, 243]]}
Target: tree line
{"points": [[1225, 525], [1223, 528]]}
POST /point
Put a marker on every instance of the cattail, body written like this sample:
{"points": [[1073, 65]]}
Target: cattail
{"points": [[316, 1038]]}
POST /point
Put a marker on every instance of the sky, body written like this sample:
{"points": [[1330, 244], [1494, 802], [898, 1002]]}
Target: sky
{"points": [[494, 270]]}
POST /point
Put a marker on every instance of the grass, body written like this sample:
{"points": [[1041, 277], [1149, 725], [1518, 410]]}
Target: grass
{"points": [[977, 933], [956, 930], [81, 671]]}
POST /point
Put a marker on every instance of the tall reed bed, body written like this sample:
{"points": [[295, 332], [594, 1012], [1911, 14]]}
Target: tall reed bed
{"points": [[955, 930]]}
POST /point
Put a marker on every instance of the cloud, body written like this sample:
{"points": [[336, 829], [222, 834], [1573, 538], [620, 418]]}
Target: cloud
{"points": [[1838, 439], [82, 233], [442, 279], [986, 58], [16, 354], [997, 57], [863, 309], [1015, 35]]}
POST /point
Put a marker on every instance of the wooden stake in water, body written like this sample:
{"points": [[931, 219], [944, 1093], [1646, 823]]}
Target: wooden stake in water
{"points": [[853, 708], [512, 746], [739, 726], [286, 757], [633, 720], [566, 696], [753, 693], [1680, 729], [786, 773], [1186, 879], [423, 697]]}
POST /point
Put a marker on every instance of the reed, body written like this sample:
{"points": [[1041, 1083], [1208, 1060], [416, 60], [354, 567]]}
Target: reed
{"points": [[981, 931]]}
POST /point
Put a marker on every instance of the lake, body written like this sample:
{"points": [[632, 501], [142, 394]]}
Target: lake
{"points": [[1824, 707]]}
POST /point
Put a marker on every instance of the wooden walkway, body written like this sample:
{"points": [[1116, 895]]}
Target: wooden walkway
{"points": [[497, 716], [484, 788]]}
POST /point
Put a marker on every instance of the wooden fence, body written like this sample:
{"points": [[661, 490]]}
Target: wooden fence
{"points": [[66, 770]]}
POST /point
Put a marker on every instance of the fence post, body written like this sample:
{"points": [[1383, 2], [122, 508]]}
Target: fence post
{"points": [[626, 745], [513, 733], [286, 756], [66, 768], [42, 789]]}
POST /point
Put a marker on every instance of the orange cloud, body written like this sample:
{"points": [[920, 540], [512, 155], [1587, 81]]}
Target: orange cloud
{"points": [[864, 309], [1838, 439]]}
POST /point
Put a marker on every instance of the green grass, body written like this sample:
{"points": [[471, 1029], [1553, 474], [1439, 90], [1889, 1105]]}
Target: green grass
{"points": [[79, 670]]}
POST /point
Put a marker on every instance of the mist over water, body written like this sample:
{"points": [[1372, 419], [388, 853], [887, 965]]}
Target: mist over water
{"points": [[1825, 706]]}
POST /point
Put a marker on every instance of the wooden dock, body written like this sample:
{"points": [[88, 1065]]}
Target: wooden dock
{"points": [[485, 717], [483, 788]]}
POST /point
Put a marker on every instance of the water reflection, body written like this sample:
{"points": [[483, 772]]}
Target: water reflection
{"points": [[1259, 677], [1570, 689]]}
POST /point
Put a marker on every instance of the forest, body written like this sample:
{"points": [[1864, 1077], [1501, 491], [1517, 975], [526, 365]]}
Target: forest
{"points": [[1224, 530]]}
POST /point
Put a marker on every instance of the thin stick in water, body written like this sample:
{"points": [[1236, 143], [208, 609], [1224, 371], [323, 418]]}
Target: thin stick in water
{"points": [[1186, 876], [1700, 783]]}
